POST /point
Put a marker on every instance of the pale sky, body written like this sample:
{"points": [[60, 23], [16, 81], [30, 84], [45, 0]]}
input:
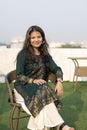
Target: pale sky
{"points": [[61, 20]]}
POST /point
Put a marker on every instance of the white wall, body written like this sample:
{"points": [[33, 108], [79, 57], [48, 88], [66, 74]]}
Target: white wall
{"points": [[60, 56]]}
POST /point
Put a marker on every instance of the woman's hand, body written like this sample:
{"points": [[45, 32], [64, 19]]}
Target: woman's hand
{"points": [[59, 88], [39, 81]]}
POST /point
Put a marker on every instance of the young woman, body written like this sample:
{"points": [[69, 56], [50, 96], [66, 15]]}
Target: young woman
{"points": [[31, 88]]}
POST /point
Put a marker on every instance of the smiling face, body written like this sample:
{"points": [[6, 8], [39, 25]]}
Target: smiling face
{"points": [[36, 39]]}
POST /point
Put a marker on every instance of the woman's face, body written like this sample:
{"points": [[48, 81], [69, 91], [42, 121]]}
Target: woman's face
{"points": [[36, 39]]}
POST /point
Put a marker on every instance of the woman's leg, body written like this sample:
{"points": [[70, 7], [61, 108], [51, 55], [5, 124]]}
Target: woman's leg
{"points": [[48, 117], [45, 118], [19, 99]]}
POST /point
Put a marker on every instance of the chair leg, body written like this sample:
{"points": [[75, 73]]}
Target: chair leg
{"points": [[18, 116], [75, 83], [11, 118], [75, 77]]}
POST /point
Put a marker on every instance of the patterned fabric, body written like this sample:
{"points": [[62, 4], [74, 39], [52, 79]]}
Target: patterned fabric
{"points": [[35, 96]]}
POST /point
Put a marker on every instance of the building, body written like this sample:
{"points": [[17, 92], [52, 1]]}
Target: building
{"points": [[17, 42]]}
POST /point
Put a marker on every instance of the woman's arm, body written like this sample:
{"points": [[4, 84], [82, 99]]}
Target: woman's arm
{"points": [[59, 77], [59, 88]]}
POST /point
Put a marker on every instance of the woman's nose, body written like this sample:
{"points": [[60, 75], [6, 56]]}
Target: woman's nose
{"points": [[36, 39]]}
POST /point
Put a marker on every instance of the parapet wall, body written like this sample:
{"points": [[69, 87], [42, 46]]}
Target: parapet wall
{"points": [[60, 56]]}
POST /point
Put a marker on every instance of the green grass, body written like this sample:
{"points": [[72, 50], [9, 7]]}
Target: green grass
{"points": [[74, 110]]}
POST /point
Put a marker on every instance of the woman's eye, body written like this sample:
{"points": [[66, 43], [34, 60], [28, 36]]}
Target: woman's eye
{"points": [[39, 36]]}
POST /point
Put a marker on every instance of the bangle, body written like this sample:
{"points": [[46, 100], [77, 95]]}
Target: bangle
{"points": [[31, 81]]}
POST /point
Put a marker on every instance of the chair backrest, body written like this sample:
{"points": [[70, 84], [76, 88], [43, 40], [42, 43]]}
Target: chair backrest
{"points": [[51, 78], [10, 77]]}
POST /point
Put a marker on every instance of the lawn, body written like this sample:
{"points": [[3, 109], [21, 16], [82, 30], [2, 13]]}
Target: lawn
{"points": [[74, 110]]}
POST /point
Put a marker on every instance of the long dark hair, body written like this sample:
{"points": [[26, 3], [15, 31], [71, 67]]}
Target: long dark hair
{"points": [[43, 49], [27, 46]]}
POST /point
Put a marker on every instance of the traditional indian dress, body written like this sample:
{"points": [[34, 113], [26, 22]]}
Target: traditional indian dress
{"points": [[37, 100]]}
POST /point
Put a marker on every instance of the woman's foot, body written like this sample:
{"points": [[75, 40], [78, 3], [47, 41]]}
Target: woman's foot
{"points": [[65, 127]]}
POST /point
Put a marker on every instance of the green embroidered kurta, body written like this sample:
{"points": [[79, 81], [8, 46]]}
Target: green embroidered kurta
{"points": [[35, 96]]}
